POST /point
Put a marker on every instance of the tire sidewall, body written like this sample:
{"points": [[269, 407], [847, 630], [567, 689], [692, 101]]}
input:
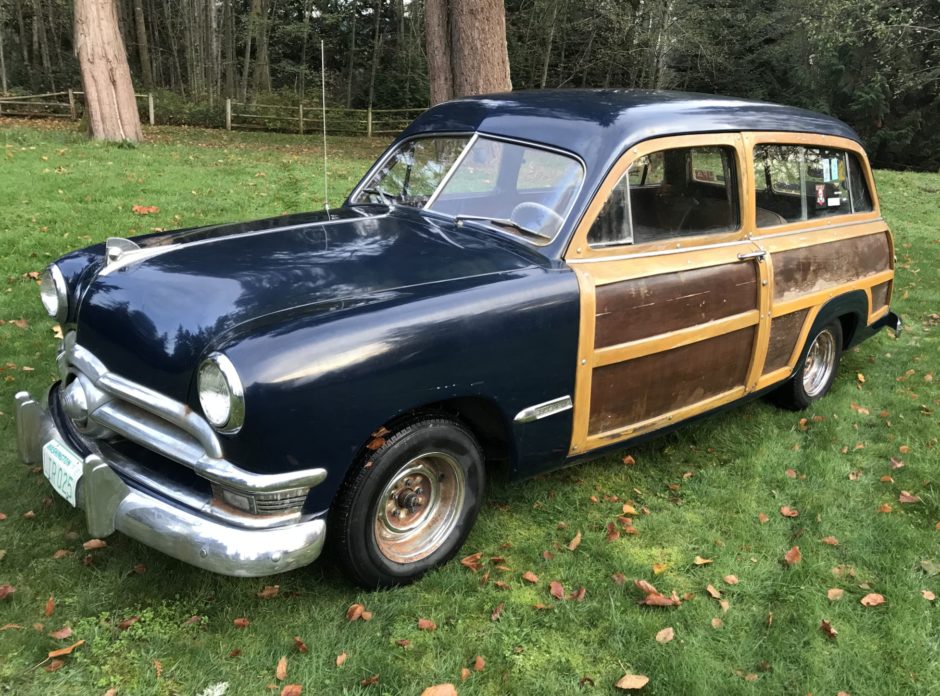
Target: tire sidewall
{"points": [[382, 465], [835, 328]]}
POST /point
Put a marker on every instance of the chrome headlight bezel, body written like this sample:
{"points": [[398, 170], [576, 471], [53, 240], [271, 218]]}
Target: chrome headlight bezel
{"points": [[216, 366], [54, 293]]}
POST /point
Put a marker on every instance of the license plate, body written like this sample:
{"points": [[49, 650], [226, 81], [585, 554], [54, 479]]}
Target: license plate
{"points": [[63, 468]]}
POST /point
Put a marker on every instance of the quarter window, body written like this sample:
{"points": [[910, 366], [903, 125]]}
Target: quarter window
{"points": [[679, 192], [795, 183]]}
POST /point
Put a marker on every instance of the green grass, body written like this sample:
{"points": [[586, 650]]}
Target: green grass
{"points": [[704, 487]]}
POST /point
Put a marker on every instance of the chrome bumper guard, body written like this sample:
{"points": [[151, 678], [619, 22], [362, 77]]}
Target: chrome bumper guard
{"points": [[212, 544]]}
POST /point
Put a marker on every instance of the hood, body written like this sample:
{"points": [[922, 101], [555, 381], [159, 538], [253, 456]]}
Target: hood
{"points": [[152, 320]]}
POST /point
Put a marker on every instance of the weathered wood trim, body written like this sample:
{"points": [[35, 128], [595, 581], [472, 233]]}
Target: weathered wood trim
{"points": [[785, 331]]}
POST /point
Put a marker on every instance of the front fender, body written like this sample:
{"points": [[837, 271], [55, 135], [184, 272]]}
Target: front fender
{"points": [[317, 386]]}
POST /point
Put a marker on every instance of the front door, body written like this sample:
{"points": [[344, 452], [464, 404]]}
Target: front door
{"points": [[673, 294]]}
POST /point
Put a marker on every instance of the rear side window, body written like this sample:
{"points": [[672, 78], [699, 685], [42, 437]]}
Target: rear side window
{"points": [[795, 183], [679, 192]]}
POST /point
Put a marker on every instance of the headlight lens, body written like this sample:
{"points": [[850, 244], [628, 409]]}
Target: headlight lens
{"points": [[220, 394], [53, 293]]}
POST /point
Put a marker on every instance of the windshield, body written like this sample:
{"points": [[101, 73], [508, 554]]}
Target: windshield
{"points": [[522, 189]]}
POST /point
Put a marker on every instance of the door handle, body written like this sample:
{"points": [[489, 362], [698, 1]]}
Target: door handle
{"points": [[747, 255]]}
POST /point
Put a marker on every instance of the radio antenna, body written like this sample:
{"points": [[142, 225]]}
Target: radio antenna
{"points": [[326, 185]]}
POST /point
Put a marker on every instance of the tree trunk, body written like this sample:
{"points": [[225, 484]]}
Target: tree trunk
{"points": [[261, 78], [548, 47], [106, 77], [143, 45], [3, 62], [253, 16], [466, 42], [302, 78], [352, 55], [228, 48]]}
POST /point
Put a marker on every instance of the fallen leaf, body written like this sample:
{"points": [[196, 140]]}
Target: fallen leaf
{"points": [[860, 377], [55, 665], [907, 497], [280, 672], [717, 623], [498, 611], [292, 690], [426, 625], [830, 540], [235, 652], [300, 645], [886, 479], [61, 652], [896, 463], [828, 630], [548, 555], [762, 518], [699, 561], [576, 542], [440, 690], [354, 612], [629, 682], [658, 569], [472, 561], [192, 620], [479, 664], [904, 449], [835, 594], [127, 623], [855, 475], [731, 579], [665, 635], [791, 473], [793, 556], [366, 615], [629, 461], [139, 569], [530, 577], [404, 642], [50, 607], [341, 659], [885, 507], [464, 674], [556, 589], [241, 622], [269, 591], [612, 532], [6, 591], [369, 681], [93, 544], [578, 595], [928, 595], [787, 511], [29, 515], [144, 209], [873, 599], [62, 633], [629, 509], [712, 591]]}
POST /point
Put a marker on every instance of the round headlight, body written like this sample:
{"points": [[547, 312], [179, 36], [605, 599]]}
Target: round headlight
{"points": [[54, 293], [220, 394]]}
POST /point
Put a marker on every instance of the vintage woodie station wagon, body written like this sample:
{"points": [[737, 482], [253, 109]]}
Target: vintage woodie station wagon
{"points": [[530, 278]]}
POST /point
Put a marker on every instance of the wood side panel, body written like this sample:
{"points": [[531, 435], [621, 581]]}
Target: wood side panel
{"points": [[635, 309], [784, 333], [879, 296], [821, 266], [635, 390]]}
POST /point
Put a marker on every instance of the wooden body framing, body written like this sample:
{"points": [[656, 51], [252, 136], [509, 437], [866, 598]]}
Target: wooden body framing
{"points": [[675, 328]]}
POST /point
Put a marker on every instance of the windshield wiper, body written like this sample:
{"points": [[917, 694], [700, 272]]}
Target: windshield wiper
{"points": [[504, 222]]}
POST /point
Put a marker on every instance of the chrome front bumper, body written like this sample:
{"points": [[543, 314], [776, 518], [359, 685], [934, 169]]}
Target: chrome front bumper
{"points": [[110, 504]]}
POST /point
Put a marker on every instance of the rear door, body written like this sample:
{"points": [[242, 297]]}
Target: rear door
{"points": [[674, 296]]}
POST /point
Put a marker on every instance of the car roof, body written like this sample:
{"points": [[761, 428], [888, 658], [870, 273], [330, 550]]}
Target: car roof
{"points": [[599, 124]]}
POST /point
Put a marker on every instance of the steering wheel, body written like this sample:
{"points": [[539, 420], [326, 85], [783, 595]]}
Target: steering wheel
{"points": [[535, 216]]}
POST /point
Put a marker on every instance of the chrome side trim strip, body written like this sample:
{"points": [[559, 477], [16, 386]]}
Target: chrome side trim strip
{"points": [[758, 237], [543, 410]]}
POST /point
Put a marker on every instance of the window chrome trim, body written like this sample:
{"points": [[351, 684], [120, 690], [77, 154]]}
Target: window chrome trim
{"points": [[450, 172], [817, 228], [544, 410]]}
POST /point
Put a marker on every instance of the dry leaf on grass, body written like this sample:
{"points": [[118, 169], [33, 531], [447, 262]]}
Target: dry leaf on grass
{"points": [[61, 652], [241, 622], [93, 544], [498, 611], [787, 511], [479, 664], [762, 518], [629, 682], [835, 594], [530, 577], [731, 579], [292, 690], [341, 659], [872, 599], [280, 672], [50, 607], [426, 625], [830, 540], [828, 630], [928, 595], [712, 591], [793, 556], [472, 561], [300, 645], [440, 690], [576, 542], [369, 681], [269, 591], [907, 497], [665, 635], [556, 589], [62, 633], [699, 561]]}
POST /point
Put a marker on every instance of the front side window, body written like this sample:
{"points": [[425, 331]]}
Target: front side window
{"points": [[795, 183], [522, 189], [679, 192]]}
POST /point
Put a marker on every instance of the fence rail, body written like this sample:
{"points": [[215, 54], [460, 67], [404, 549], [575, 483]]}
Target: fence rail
{"points": [[302, 118]]}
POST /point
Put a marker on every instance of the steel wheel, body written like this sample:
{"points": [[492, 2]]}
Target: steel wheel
{"points": [[420, 507], [820, 363]]}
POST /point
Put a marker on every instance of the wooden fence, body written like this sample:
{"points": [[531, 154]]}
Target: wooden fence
{"points": [[302, 118], [52, 105], [307, 118]]}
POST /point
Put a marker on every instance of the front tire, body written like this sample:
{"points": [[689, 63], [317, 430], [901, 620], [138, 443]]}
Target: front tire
{"points": [[816, 372], [410, 503]]}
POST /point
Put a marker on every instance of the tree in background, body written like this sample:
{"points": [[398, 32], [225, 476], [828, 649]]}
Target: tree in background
{"points": [[466, 42], [110, 105]]}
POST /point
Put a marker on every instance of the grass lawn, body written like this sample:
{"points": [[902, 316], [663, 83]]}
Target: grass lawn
{"points": [[705, 489]]}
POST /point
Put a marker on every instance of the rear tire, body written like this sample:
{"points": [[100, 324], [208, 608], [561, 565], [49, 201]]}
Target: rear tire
{"points": [[816, 370], [409, 505]]}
